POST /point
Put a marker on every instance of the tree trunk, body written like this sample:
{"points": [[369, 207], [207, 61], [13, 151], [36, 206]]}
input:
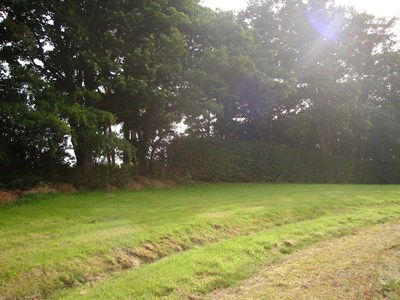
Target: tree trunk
{"points": [[142, 151], [142, 159], [83, 149], [84, 159], [155, 146], [127, 136]]}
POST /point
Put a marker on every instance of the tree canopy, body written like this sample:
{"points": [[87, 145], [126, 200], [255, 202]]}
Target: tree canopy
{"points": [[108, 81]]}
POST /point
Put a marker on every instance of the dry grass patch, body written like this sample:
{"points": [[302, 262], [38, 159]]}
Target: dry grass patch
{"points": [[170, 183], [9, 196], [65, 188], [110, 188], [133, 186], [344, 268], [41, 188], [141, 182], [126, 259], [390, 275]]}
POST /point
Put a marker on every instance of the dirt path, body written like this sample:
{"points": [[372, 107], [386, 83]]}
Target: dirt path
{"points": [[352, 267]]}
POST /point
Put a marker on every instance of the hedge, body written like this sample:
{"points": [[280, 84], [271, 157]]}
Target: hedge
{"points": [[217, 160]]}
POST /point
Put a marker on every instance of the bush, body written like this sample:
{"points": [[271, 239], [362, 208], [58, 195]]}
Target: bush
{"points": [[104, 176], [216, 160]]}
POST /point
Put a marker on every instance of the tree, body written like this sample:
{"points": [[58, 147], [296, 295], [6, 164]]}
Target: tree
{"points": [[144, 91], [32, 136], [67, 44], [234, 77], [332, 54]]}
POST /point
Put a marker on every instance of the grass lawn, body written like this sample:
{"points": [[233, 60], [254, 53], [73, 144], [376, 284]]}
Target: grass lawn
{"points": [[173, 243]]}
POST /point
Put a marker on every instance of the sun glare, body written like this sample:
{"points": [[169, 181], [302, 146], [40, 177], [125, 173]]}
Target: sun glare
{"points": [[382, 8], [327, 29]]}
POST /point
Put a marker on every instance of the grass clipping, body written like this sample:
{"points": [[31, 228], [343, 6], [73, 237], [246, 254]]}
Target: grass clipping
{"points": [[351, 267]]}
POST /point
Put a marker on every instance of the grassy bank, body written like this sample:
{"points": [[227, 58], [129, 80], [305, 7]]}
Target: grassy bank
{"points": [[174, 243]]}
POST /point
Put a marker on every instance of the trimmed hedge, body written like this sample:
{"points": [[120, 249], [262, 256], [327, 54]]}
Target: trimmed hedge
{"points": [[217, 160]]}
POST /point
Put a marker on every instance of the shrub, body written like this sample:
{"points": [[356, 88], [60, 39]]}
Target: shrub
{"points": [[216, 160], [102, 175]]}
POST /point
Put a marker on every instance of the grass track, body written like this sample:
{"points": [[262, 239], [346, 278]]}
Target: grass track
{"points": [[65, 246]]}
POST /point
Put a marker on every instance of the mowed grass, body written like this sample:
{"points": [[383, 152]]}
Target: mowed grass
{"points": [[172, 243]]}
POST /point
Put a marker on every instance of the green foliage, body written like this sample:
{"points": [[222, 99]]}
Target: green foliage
{"points": [[33, 139], [104, 176], [234, 161], [307, 75], [387, 172]]}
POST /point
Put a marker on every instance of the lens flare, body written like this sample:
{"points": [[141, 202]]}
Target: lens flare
{"points": [[327, 29]]}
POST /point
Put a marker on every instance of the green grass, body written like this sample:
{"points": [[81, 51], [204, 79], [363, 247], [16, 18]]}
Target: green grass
{"points": [[172, 243], [391, 289]]}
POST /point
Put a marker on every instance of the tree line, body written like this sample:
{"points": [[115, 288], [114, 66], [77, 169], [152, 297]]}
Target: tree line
{"points": [[307, 75]]}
